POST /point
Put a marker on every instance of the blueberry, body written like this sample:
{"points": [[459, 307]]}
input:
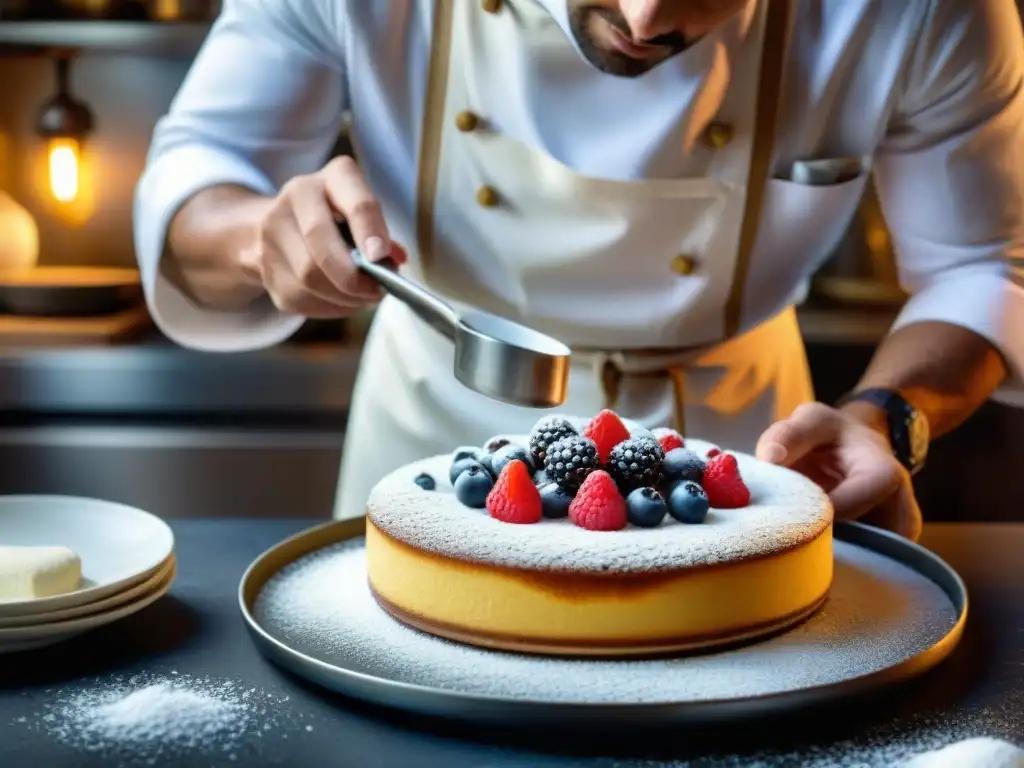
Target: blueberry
{"points": [[425, 481], [507, 453], [554, 501], [540, 479], [466, 452], [495, 443], [487, 462], [683, 464], [473, 485], [646, 507], [460, 466], [688, 503]]}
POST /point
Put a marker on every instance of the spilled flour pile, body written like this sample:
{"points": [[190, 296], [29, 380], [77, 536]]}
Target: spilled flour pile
{"points": [[151, 718]]}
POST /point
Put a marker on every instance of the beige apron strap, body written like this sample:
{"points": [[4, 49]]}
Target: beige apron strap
{"points": [[769, 90], [432, 130]]}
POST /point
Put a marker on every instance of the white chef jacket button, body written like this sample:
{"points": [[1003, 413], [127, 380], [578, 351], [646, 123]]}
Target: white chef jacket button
{"points": [[718, 135], [684, 264], [487, 197], [491, 6], [466, 121]]}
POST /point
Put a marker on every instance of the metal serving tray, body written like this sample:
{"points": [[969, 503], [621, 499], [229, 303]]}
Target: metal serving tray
{"points": [[354, 678]]}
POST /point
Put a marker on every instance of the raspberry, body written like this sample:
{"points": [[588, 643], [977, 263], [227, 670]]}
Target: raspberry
{"points": [[669, 439], [514, 498], [712, 452], [606, 430], [598, 506], [723, 484]]}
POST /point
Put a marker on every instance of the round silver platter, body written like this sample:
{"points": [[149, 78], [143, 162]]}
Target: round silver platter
{"points": [[907, 634]]}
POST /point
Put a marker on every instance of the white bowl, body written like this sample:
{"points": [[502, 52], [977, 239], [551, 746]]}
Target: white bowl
{"points": [[27, 638], [120, 546], [116, 600]]}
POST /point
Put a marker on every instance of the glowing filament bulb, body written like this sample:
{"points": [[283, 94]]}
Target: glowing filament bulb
{"points": [[64, 169]]}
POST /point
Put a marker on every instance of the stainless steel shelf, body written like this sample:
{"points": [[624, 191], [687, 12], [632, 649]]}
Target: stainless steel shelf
{"points": [[160, 378], [158, 39]]}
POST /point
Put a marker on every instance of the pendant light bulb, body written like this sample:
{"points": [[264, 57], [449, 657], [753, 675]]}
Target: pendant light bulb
{"points": [[64, 122]]}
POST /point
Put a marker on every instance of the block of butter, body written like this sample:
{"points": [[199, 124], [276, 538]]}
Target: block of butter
{"points": [[33, 572]]}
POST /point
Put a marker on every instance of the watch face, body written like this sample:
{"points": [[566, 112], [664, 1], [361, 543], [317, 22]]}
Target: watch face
{"points": [[918, 435]]}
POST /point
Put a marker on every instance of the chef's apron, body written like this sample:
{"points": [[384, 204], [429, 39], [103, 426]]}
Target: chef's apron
{"points": [[707, 376]]}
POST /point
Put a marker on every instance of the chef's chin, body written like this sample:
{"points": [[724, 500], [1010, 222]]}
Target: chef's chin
{"points": [[594, 27]]}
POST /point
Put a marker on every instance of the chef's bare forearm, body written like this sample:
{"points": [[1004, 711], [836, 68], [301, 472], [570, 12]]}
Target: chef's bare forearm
{"points": [[945, 371], [206, 245]]}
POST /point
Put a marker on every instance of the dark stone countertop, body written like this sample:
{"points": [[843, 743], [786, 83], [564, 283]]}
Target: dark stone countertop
{"points": [[198, 630]]}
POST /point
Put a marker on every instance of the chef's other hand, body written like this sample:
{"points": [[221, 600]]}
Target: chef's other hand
{"points": [[299, 254], [851, 461]]}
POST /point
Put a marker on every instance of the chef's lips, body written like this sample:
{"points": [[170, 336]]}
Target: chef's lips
{"points": [[631, 58]]}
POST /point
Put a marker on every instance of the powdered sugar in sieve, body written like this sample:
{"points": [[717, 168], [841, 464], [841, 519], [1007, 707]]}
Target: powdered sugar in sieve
{"points": [[878, 614]]}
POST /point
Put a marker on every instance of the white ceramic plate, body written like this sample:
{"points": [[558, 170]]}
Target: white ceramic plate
{"points": [[106, 604], [120, 546], [26, 638]]}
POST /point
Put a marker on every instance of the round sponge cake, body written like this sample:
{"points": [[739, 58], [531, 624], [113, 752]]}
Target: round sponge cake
{"points": [[555, 588]]}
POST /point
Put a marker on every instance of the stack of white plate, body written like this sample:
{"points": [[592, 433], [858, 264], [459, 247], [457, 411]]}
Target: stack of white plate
{"points": [[127, 563]]}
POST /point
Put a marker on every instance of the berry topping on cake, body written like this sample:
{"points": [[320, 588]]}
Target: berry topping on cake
{"points": [[712, 452], [507, 453], [598, 505], [495, 443], [487, 461], [514, 498], [570, 460], [466, 452], [473, 485], [460, 466], [554, 501], [724, 486], [636, 463], [668, 439], [425, 481], [688, 503], [646, 507], [606, 430], [683, 464], [546, 432]]}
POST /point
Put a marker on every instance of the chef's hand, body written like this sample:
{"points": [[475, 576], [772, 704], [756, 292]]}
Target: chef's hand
{"points": [[299, 254], [851, 459]]}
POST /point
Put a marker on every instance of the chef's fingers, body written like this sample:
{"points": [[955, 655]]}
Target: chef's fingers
{"points": [[811, 426], [867, 487], [352, 197], [323, 263], [899, 513], [293, 288]]}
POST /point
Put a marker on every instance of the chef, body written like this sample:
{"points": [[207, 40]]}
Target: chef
{"points": [[650, 181]]}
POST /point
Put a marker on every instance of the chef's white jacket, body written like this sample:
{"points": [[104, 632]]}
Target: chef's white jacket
{"points": [[928, 90]]}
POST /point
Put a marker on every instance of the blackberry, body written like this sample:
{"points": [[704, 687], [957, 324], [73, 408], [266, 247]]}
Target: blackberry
{"points": [[568, 461], [636, 463], [546, 432]]}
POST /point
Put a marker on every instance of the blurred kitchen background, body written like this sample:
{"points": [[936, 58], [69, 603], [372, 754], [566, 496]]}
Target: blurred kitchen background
{"points": [[95, 402]]}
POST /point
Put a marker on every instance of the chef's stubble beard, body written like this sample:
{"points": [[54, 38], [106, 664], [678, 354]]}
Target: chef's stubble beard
{"points": [[613, 62]]}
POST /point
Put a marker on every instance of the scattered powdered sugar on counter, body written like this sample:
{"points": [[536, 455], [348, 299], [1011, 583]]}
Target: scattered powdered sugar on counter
{"points": [[149, 718], [879, 613]]}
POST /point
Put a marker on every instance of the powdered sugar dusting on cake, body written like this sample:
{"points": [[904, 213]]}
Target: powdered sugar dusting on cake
{"points": [[786, 511]]}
